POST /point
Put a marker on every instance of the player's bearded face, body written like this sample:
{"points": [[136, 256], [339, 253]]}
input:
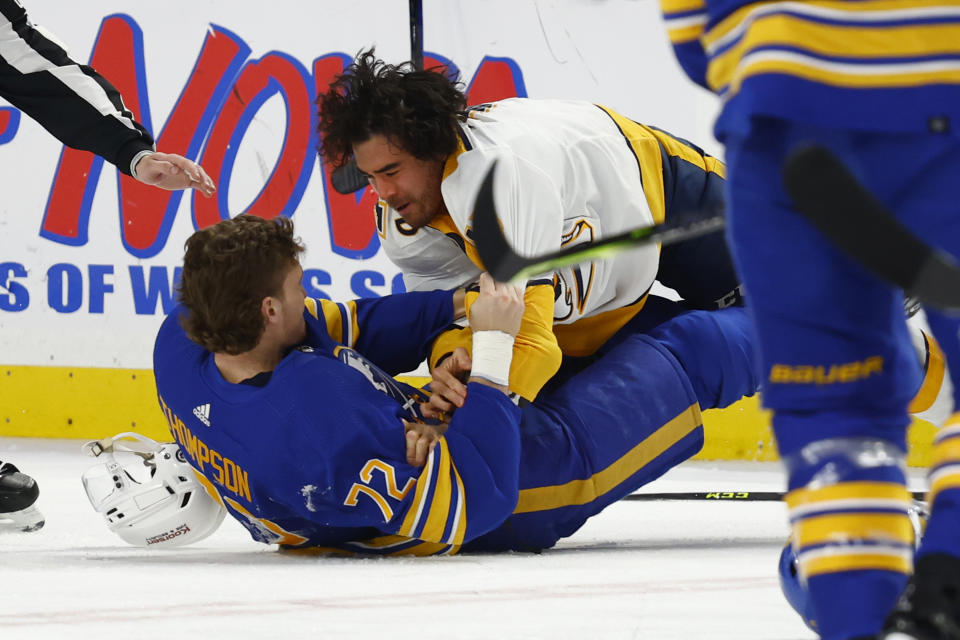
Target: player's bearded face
{"points": [[410, 186]]}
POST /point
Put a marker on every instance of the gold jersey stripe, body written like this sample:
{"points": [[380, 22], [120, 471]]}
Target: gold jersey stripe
{"points": [[946, 452], [423, 549], [460, 526], [678, 6], [834, 40], [316, 551], [333, 317], [311, 305], [444, 224], [686, 31], [932, 378], [536, 354], [677, 149], [284, 537], [414, 511], [646, 149], [439, 509], [586, 335], [942, 482], [950, 428], [860, 12]]}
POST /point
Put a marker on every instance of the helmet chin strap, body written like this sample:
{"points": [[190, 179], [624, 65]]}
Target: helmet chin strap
{"points": [[126, 441]]}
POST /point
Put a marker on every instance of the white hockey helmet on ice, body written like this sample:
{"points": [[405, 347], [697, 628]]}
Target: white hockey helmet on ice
{"points": [[148, 494]]}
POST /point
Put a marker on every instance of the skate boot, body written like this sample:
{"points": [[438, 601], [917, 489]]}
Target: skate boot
{"points": [[18, 493], [929, 608]]}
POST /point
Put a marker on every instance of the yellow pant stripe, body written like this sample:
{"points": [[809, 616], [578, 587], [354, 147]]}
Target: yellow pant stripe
{"points": [[577, 492]]}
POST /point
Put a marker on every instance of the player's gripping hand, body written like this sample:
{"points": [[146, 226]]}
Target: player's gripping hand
{"points": [[173, 172], [447, 388], [495, 320], [421, 440], [498, 308]]}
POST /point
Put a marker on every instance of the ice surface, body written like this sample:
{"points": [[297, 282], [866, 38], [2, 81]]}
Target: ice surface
{"points": [[657, 570]]}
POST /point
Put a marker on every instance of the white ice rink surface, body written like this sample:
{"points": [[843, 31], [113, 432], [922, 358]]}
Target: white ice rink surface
{"points": [[652, 570]]}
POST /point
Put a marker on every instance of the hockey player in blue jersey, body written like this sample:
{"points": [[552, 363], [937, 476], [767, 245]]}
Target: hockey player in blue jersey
{"points": [[296, 422], [877, 84]]}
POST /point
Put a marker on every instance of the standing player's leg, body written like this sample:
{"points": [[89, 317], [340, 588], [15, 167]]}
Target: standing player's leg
{"points": [[838, 371], [930, 606]]}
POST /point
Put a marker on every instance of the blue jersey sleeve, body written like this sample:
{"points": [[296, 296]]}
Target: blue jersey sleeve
{"points": [[685, 21], [394, 331], [468, 486]]}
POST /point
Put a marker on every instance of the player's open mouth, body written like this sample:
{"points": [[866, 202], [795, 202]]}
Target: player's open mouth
{"points": [[400, 209]]}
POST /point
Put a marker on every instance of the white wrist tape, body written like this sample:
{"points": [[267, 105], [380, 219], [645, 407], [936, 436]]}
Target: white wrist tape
{"points": [[137, 158], [492, 355]]}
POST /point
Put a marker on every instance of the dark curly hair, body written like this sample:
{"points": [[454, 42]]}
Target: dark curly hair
{"points": [[416, 110], [228, 269]]}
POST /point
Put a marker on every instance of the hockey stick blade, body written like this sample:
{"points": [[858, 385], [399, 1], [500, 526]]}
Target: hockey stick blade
{"points": [[348, 179], [728, 496], [831, 198], [505, 265]]}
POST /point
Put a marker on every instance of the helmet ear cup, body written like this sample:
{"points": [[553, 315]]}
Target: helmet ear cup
{"points": [[151, 498]]}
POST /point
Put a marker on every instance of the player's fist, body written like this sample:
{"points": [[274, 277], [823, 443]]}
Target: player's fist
{"points": [[498, 308], [447, 388], [421, 440]]}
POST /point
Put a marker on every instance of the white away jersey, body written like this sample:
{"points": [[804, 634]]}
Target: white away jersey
{"points": [[566, 174]]}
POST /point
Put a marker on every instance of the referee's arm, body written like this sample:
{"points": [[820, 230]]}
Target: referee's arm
{"points": [[71, 101]]}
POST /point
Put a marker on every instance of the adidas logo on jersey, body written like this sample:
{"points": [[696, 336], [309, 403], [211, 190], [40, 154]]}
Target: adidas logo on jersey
{"points": [[203, 413]]}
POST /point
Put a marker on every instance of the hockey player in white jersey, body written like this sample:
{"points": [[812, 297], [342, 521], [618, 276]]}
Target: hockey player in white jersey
{"points": [[567, 172]]}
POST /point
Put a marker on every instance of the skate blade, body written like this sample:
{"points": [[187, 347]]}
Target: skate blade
{"points": [[25, 520]]}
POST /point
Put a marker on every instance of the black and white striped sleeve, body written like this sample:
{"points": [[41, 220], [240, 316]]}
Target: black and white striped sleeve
{"points": [[70, 100]]}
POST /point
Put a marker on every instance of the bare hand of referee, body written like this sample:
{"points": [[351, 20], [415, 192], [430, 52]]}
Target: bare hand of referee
{"points": [[173, 172]]}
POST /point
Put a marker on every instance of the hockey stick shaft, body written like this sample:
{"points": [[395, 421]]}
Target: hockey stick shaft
{"points": [[505, 265], [830, 197], [729, 496], [416, 34]]}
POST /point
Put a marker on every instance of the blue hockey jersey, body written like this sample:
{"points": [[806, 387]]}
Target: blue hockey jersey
{"points": [[314, 460], [316, 456], [882, 65]]}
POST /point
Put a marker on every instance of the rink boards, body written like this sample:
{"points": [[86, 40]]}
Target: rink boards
{"points": [[76, 402]]}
